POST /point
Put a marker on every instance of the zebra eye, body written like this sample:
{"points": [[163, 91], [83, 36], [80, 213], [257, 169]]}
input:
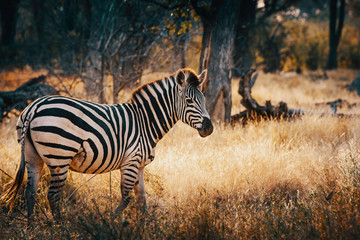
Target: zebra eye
{"points": [[189, 100]]}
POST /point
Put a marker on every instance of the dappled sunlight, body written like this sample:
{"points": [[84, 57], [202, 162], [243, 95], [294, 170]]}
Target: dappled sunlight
{"points": [[236, 171], [279, 159]]}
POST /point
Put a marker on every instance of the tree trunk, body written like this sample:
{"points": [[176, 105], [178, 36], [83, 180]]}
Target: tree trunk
{"points": [[102, 98], [332, 57], [206, 40], [243, 56], [335, 31], [86, 19], [219, 66], [271, 54], [8, 10], [126, 74], [70, 9], [180, 49], [93, 77], [39, 16]]}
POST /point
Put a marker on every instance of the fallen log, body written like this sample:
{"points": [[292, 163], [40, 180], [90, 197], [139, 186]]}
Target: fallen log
{"points": [[355, 85], [337, 104], [23, 95], [255, 111]]}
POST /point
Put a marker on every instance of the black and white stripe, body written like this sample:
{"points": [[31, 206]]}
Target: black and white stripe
{"points": [[67, 133]]}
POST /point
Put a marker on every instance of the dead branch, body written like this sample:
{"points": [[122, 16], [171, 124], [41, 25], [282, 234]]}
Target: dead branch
{"points": [[355, 85], [20, 98], [255, 111], [337, 104]]}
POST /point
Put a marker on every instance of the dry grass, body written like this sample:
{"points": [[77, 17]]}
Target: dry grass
{"points": [[290, 180]]}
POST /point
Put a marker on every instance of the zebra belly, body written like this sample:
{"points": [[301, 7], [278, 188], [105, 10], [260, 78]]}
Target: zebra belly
{"points": [[60, 143]]}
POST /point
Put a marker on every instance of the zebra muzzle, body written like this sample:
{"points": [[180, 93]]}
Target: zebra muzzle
{"points": [[206, 128]]}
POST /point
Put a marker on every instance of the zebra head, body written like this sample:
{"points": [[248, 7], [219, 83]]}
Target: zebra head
{"points": [[191, 101]]}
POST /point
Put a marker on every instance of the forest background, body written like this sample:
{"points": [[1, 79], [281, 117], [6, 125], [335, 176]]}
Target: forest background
{"points": [[269, 179], [110, 46]]}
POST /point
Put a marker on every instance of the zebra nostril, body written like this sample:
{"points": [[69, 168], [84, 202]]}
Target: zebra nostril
{"points": [[207, 127], [206, 123]]}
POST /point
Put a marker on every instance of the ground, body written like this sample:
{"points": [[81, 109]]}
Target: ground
{"points": [[270, 179]]}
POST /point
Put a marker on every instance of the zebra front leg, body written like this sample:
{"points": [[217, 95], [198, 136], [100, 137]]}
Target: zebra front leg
{"points": [[129, 175], [139, 189], [57, 181]]}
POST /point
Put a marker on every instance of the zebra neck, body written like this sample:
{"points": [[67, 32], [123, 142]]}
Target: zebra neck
{"points": [[156, 106]]}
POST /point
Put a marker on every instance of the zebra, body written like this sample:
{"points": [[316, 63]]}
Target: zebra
{"points": [[67, 133]]}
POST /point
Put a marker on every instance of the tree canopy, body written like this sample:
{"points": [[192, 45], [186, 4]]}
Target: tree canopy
{"points": [[93, 39]]}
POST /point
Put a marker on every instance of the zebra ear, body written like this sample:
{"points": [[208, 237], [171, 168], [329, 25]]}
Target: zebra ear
{"points": [[202, 77], [180, 79], [203, 81]]}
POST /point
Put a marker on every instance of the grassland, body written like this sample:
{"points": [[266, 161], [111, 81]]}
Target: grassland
{"points": [[268, 180]]}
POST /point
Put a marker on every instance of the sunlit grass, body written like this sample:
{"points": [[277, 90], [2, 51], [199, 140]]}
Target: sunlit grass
{"points": [[272, 179]]}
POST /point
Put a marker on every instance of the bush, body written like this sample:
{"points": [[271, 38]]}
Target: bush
{"points": [[349, 48], [304, 44]]}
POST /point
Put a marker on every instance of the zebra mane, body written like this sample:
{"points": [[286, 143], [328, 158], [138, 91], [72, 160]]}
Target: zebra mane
{"points": [[137, 91], [186, 74]]}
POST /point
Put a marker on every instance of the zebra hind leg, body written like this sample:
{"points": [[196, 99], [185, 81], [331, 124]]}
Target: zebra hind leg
{"points": [[57, 181], [34, 165]]}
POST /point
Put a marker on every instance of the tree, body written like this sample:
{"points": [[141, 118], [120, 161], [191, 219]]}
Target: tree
{"points": [[254, 21], [219, 20], [39, 17], [243, 56], [122, 35], [94, 39], [336, 23], [270, 36], [179, 37], [354, 7], [219, 63], [226, 23], [8, 10]]}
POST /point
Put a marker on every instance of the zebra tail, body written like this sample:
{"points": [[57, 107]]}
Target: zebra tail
{"points": [[9, 196]]}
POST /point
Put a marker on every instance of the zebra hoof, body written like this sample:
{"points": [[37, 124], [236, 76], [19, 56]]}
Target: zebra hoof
{"points": [[117, 213]]}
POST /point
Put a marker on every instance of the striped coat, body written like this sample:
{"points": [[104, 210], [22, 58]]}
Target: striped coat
{"points": [[67, 133]]}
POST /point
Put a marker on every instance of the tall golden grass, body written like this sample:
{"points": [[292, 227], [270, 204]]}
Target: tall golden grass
{"points": [[270, 179]]}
